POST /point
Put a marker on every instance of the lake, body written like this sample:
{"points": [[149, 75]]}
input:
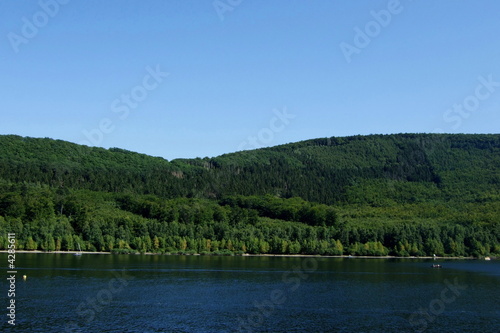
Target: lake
{"points": [[146, 293]]}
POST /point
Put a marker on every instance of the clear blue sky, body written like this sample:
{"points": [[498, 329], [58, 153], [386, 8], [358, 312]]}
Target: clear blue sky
{"points": [[233, 67]]}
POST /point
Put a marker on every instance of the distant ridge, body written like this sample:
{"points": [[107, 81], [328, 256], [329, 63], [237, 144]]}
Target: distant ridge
{"points": [[402, 194], [321, 170]]}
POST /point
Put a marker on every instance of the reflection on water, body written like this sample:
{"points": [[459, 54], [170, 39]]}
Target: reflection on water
{"points": [[140, 293]]}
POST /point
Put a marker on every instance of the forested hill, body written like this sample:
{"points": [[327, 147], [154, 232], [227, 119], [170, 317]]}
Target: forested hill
{"points": [[403, 194], [361, 169]]}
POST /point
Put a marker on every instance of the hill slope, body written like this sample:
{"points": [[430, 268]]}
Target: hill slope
{"points": [[401, 194], [322, 170]]}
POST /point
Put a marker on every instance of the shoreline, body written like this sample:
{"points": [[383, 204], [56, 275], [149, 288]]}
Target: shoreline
{"points": [[54, 252], [252, 255], [353, 257]]}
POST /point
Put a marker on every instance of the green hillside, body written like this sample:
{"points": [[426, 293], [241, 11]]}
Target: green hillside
{"points": [[404, 194]]}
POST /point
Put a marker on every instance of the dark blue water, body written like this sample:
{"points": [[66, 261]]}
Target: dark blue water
{"points": [[129, 293]]}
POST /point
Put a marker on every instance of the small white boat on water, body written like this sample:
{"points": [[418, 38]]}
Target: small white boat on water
{"points": [[487, 258], [80, 249]]}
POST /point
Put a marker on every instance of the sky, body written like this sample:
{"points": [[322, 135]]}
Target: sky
{"points": [[200, 78]]}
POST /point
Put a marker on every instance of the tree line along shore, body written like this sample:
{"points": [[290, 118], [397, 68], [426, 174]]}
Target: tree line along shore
{"points": [[398, 195]]}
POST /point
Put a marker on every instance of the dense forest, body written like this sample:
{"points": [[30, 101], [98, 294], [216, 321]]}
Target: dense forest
{"points": [[403, 194]]}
